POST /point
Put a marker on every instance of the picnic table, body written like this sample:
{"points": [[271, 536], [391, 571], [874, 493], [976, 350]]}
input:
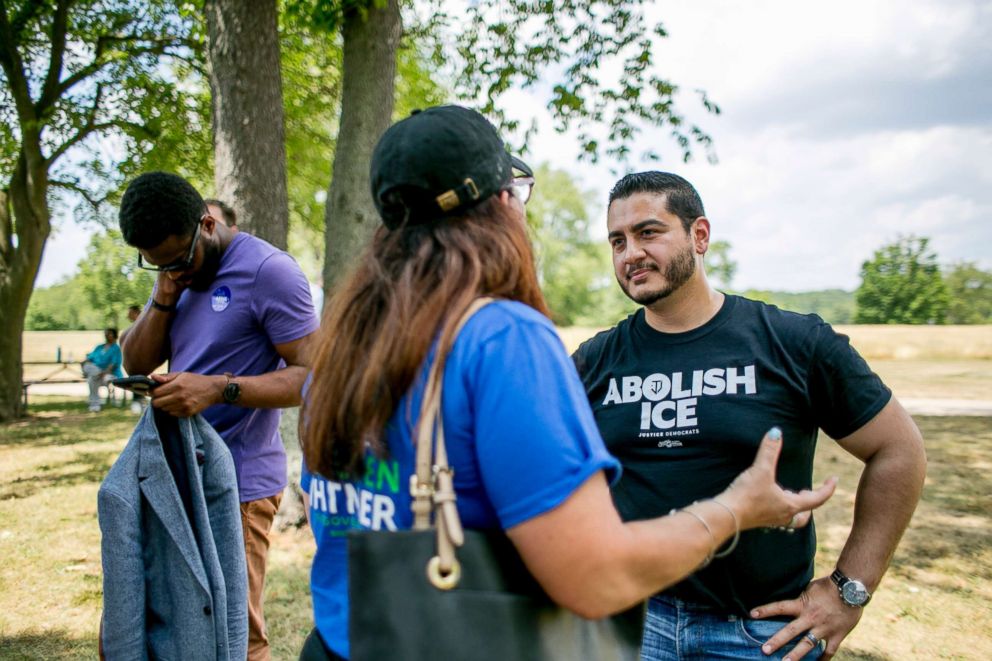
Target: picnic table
{"points": [[63, 371]]}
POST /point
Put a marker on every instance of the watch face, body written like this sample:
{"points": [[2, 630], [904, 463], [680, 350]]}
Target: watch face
{"points": [[231, 392], [854, 593]]}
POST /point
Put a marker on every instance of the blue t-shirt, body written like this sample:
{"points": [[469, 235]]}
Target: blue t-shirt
{"points": [[519, 434], [258, 299], [103, 357]]}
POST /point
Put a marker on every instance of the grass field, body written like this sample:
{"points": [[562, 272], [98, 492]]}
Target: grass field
{"points": [[944, 362], [933, 604], [43, 345], [932, 362], [879, 342], [884, 342], [47, 345], [921, 342]]}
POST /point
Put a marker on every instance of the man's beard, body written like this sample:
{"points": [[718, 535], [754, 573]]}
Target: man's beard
{"points": [[204, 277], [678, 272]]}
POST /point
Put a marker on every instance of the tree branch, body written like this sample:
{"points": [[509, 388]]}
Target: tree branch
{"points": [[160, 47], [83, 131], [82, 192], [89, 128], [13, 67], [59, 25], [130, 127]]}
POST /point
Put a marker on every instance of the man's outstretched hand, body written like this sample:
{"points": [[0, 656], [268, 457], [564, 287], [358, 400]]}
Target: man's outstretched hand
{"points": [[819, 611]]}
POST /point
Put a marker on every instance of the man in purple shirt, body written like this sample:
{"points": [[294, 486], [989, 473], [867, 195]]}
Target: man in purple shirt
{"points": [[232, 315]]}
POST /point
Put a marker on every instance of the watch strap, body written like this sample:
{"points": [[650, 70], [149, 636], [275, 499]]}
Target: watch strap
{"points": [[162, 307], [232, 391]]}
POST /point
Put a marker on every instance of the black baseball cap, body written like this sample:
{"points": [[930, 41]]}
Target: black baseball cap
{"points": [[438, 162]]}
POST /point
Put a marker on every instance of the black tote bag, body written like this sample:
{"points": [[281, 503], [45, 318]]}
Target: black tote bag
{"points": [[488, 605]]}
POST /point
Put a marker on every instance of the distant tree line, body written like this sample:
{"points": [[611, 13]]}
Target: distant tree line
{"points": [[902, 283], [836, 306], [106, 284]]}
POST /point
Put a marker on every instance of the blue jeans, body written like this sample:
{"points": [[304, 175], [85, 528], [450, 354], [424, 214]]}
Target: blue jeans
{"points": [[678, 631]]}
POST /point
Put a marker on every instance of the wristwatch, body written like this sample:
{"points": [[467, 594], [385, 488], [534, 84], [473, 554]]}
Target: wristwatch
{"points": [[852, 591], [232, 391]]}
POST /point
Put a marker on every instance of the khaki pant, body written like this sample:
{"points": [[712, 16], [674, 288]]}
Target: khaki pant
{"points": [[256, 520]]}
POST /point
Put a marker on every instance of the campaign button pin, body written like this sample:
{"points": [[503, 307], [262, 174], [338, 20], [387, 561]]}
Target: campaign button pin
{"points": [[220, 299]]}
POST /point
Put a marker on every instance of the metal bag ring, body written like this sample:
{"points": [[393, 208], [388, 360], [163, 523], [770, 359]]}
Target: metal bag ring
{"points": [[443, 581]]}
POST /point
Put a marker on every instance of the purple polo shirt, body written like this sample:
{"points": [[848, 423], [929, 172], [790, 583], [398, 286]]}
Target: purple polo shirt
{"points": [[259, 298]]}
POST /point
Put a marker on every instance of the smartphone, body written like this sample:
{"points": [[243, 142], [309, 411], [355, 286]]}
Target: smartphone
{"points": [[138, 383]]}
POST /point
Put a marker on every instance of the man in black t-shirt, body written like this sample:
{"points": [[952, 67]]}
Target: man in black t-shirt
{"points": [[683, 391]]}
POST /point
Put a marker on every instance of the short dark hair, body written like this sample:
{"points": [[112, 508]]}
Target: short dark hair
{"points": [[134, 308], [157, 205], [681, 197], [112, 331], [230, 217]]}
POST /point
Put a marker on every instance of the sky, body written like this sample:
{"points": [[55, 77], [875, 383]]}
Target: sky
{"points": [[844, 125]]}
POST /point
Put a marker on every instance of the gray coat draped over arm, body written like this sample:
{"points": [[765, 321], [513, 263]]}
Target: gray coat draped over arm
{"points": [[170, 593]]}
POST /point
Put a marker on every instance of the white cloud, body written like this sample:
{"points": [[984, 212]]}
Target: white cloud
{"points": [[845, 124], [804, 214]]}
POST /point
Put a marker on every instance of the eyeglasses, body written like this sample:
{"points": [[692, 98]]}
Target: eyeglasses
{"points": [[181, 265], [522, 187]]}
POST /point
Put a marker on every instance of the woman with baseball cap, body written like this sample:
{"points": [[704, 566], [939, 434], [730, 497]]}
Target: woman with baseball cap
{"points": [[520, 437]]}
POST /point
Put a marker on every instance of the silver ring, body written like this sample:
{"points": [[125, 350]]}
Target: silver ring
{"points": [[811, 637]]}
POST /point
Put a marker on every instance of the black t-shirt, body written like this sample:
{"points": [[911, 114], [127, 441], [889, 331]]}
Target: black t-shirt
{"points": [[684, 413]]}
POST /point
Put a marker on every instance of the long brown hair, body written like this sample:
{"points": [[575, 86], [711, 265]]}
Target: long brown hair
{"points": [[411, 284]]}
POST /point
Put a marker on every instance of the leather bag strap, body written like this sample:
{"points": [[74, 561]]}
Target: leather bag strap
{"points": [[432, 485]]}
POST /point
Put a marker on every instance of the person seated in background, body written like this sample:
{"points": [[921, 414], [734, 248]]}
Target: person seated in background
{"points": [[101, 365]]}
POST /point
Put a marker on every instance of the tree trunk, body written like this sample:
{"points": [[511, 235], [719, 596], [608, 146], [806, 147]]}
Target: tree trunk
{"points": [[11, 368], [249, 134], [368, 83], [18, 268]]}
